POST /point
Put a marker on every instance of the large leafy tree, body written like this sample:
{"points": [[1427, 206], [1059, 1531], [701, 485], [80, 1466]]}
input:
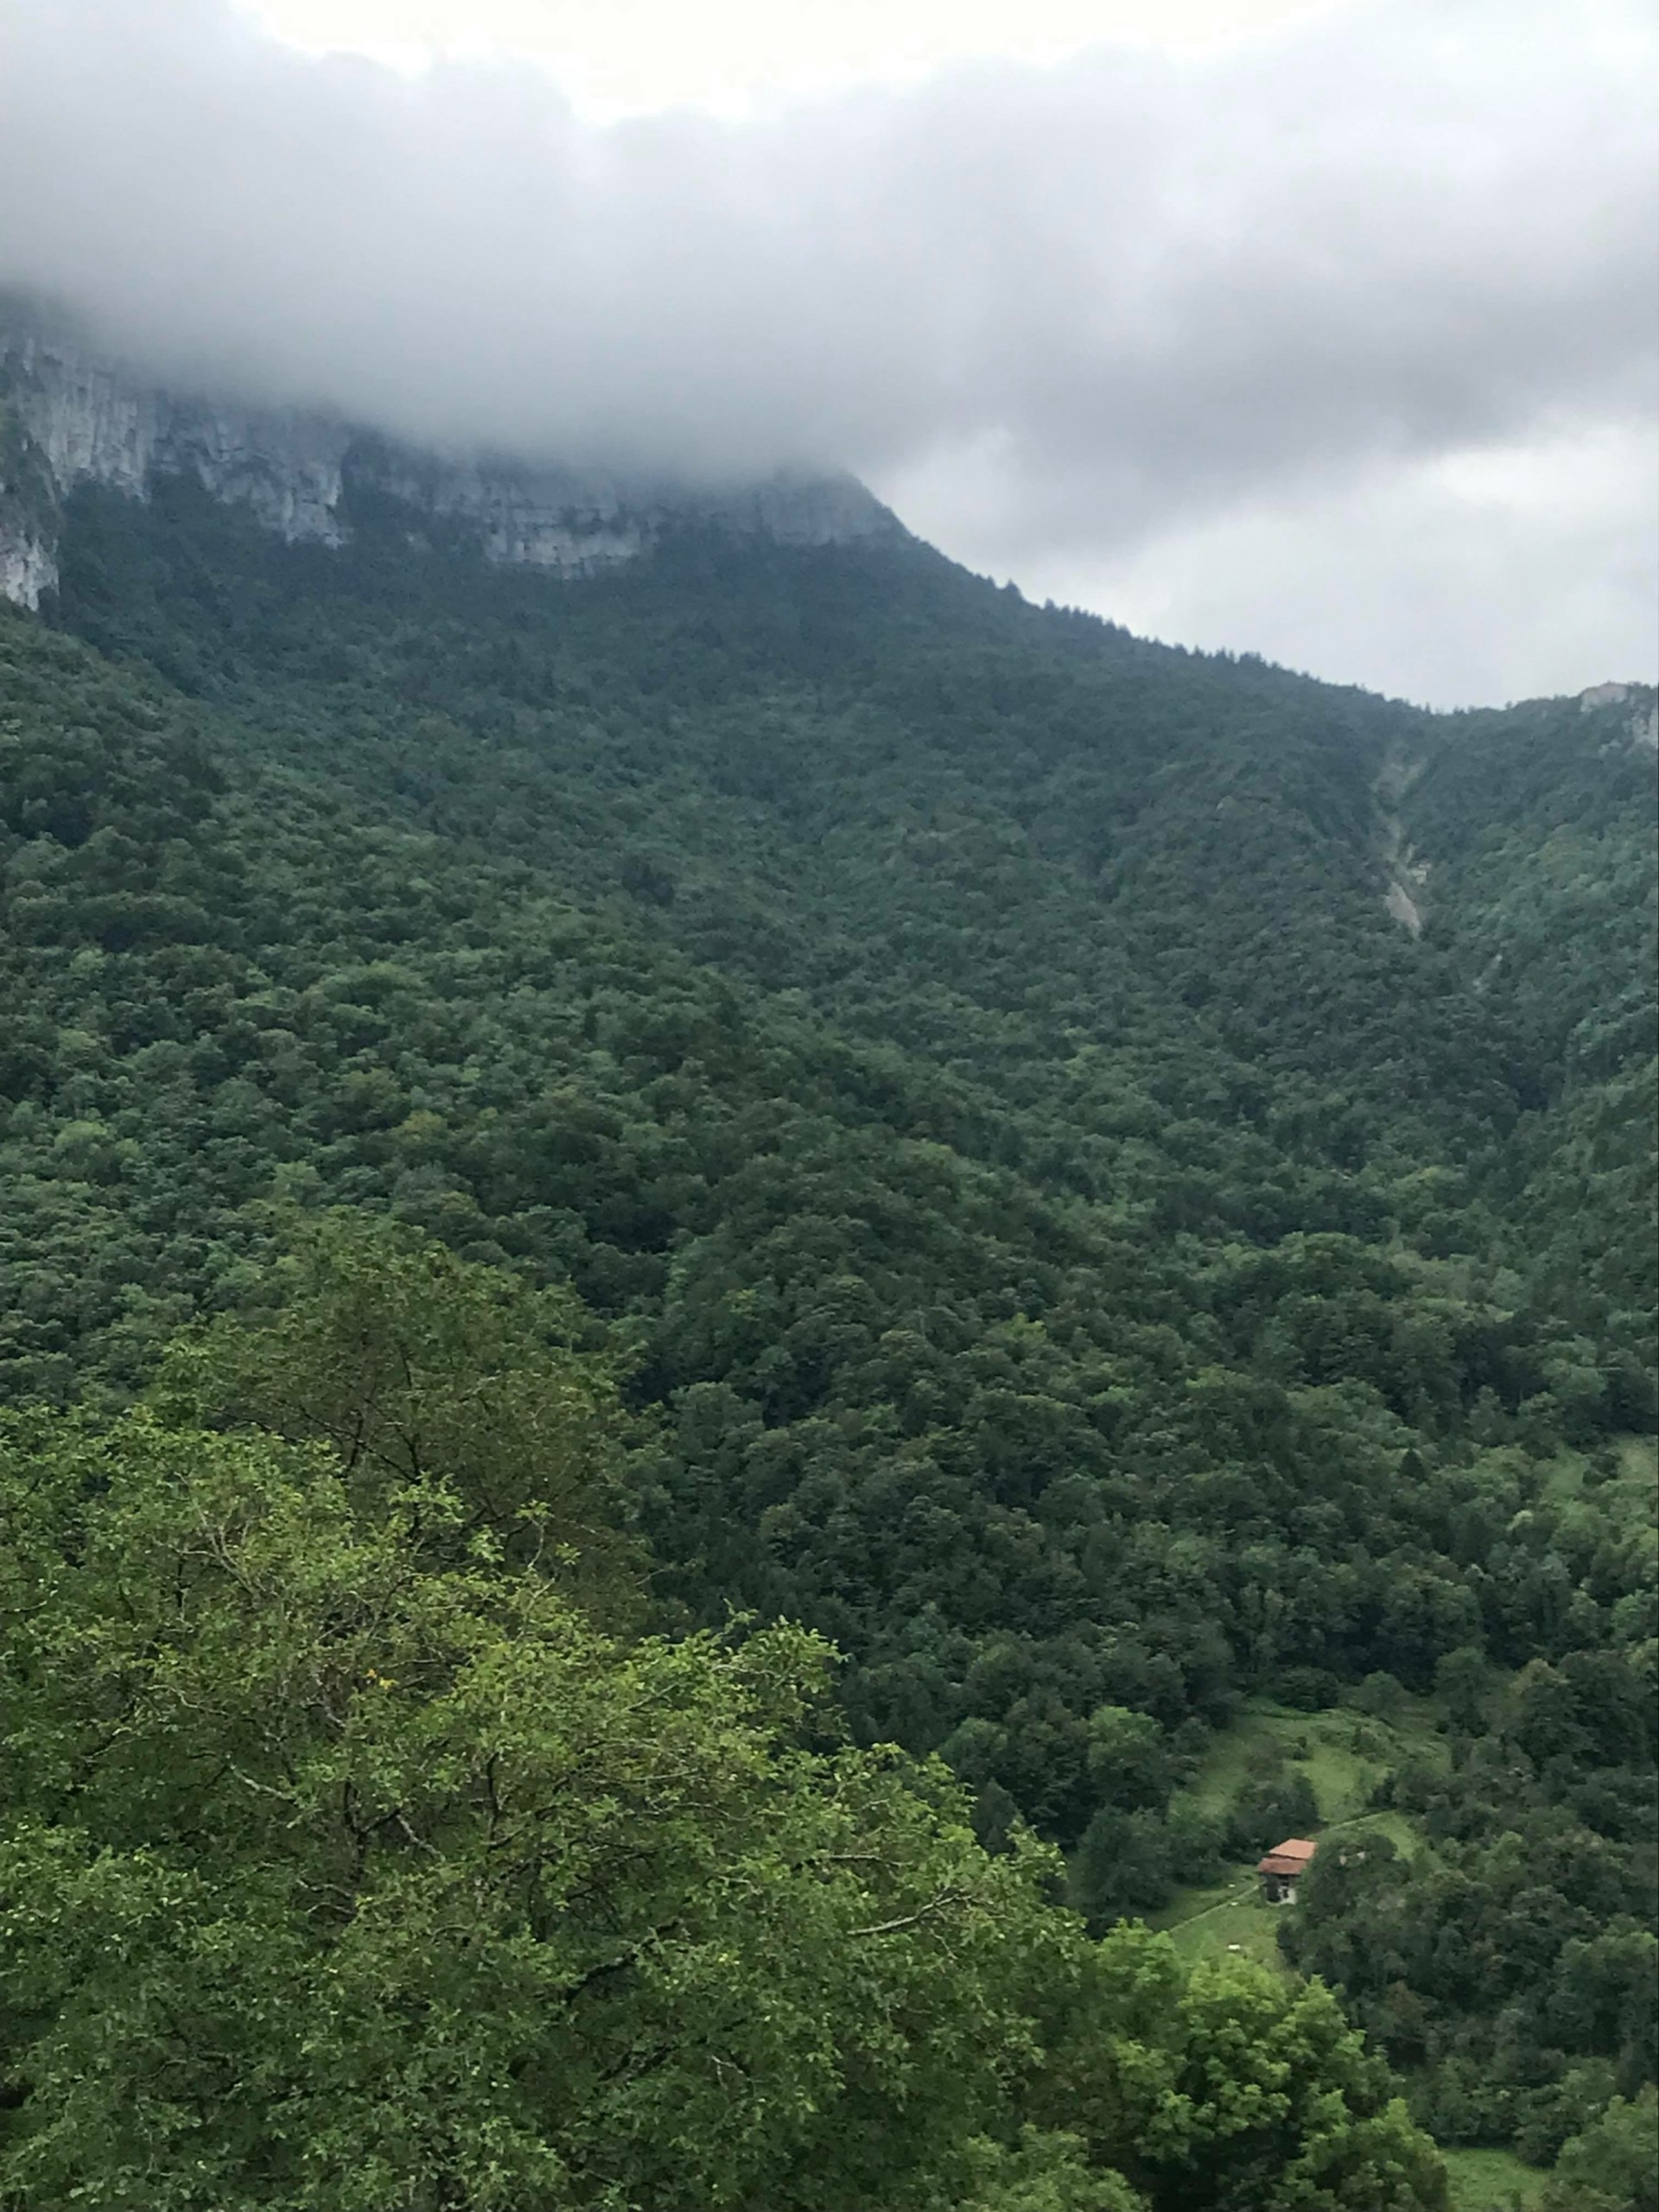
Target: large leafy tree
{"points": [[1227, 2089], [1614, 2164], [334, 1877]]}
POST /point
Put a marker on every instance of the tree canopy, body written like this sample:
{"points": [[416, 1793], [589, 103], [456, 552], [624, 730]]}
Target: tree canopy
{"points": [[338, 1870], [786, 1084]]}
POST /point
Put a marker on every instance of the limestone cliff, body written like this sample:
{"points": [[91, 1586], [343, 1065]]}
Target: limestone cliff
{"points": [[69, 416]]}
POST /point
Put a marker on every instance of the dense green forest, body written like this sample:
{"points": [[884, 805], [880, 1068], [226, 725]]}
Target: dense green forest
{"points": [[548, 1128]]}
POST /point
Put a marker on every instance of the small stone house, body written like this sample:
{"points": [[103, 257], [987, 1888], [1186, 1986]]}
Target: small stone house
{"points": [[1283, 1868]]}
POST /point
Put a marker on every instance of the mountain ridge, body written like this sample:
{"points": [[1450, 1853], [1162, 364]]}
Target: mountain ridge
{"points": [[72, 414]]}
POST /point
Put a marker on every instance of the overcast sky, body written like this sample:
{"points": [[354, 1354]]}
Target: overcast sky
{"points": [[1327, 331]]}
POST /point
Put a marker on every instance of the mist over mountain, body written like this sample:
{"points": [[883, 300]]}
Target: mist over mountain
{"points": [[1057, 317], [73, 415]]}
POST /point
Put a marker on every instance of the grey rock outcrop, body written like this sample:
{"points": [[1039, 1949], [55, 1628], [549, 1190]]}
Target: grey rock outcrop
{"points": [[1643, 724], [70, 417]]}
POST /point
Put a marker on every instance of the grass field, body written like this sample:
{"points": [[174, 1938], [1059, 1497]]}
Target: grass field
{"points": [[1231, 1919], [1343, 1754], [1492, 2181]]}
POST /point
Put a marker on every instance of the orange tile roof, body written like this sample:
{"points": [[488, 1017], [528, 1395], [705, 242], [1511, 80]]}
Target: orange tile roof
{"points": [[1291, 1857]]}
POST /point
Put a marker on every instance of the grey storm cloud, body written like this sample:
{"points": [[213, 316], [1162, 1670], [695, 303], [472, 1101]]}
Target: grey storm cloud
{"points": [[1153, 286]]}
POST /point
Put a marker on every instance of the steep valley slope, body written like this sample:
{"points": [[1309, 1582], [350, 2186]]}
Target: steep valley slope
{"points": [[1071, 1243]]}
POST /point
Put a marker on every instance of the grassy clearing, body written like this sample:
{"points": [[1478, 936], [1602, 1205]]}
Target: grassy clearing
{"points": [[1492, 2181], [1236, 1921], [1343, 1754]]}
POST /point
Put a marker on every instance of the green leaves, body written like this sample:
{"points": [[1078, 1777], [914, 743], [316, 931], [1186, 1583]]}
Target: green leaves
{"points": [[1229, 2089], [332, 1876], [339, 1869], [487, 1408]]}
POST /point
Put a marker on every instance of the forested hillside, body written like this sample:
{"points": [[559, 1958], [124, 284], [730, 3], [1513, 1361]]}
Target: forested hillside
{"points": [[1003, 1189]]}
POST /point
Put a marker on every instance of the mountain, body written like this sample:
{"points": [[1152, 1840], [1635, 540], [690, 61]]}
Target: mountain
{"points": [[72, 414], [1115, 1183]]}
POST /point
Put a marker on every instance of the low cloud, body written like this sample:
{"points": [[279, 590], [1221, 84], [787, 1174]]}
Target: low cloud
{"points": [[1109, 303]]}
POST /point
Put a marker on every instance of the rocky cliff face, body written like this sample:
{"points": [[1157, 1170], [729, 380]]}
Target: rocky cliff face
{"points": [[68, 416], [1640, 698]]}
